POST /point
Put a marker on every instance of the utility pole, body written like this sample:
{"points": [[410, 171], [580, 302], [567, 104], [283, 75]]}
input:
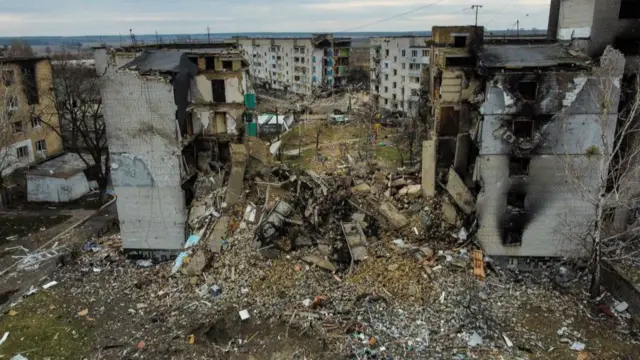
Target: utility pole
{"points": [[208, 35], [518, 29], [157, 38], [476, 7]]}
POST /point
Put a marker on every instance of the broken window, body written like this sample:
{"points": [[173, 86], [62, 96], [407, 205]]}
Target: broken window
{"points": [[386, 52], [386, 89], [404, 66], [377, 89], [8, 77], [22, 151], [519, 166], [629, 9], [395, 59], [523, 128], [393, 97], [394, 85], [227, 65], [528, 89], [403, 53], [217, 87], [210, 63], [459, 41], [17, 127], [462, 61], [36, 122], [386, 101], [516, 199], [395, 72], [386, 76], [12, 102], [449, 121], [41, 145]]}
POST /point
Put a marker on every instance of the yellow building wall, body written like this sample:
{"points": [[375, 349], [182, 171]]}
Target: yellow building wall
{"points": [[45, 108]]}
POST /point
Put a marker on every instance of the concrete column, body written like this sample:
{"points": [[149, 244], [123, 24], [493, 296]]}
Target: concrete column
{"points": [[429, 168]]}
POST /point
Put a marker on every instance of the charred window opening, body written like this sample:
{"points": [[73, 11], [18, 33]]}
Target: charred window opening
{"points": [[523, 128], [459, 41], [516, 199], [227, 65], [461, 61], [217, 87], [449, 121], [629, 9], [519, 166], [30, 83], [210, 63], [528, 89]]}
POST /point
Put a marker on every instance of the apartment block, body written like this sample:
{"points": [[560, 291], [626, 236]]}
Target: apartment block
{"points": [[297, 65], [168, 111], [28, 116], [397, 64]]}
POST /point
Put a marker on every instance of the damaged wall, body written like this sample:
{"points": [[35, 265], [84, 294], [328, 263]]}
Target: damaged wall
{"points": [[234, 87], [539, 178], [140, 117]]}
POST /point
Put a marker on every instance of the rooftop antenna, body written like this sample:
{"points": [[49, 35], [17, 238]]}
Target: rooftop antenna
{"points": [[476, 7], [133, 37]]}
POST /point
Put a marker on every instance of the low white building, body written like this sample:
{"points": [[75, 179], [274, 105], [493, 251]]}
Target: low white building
{"points": [[396, 64], [270, 123], [297, 64], [61, 179]]}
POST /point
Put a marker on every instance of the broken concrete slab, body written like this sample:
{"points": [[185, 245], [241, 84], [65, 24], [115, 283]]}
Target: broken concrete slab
{"points": [[449, 213], [196, 265], [413, 190], [236, 178], [361, 188], [460, 193], [356, 240], [429, 168], [395, 218], [463, 144], [399, 183], [196, 213], [218, 234], [319, 262]]}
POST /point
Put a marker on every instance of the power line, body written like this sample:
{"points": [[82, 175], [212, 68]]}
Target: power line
{"points": [[394, 17]]}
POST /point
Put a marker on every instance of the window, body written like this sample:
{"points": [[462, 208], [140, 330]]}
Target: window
{"points": [[22, 151], [386, 76], [523, 128], [12, 102], [629, 9], [528, 89], [414, 92], [17, 127], [386, 101], [273, 66], [386, 52], [386, 89], [395, 72], [404, 53], [519, 166], [8, 77], [393, 96], [414, 79], [386, 65], [217, 87], [459, 41], [395, 59], [377, 89], [460, 61], [209, 63], [227, 65], [36, 122], [41, 145], [449, 121], [425, 52], [414, 66], [404, 66], [402, 79], [394, 85], [516, 199], [414, 53]]}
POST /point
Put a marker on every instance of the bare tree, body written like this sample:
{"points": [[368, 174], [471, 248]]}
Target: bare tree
{"points": [[365, 119], [79, 108], [612, 184], [19, 48]]}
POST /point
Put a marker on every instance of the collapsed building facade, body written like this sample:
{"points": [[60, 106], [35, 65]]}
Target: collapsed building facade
{"points": [[508, 121], [170, 113], [298, 64]]}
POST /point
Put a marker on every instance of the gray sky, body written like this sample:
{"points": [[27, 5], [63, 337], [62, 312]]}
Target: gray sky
{"points": [[92, 17]]}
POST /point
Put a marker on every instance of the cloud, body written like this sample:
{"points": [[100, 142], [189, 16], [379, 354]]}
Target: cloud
{"points": [[88, 17]]}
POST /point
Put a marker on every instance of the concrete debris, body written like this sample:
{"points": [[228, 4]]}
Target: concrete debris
{"points": [[578, 346], [362, 188], [621, 307], [196, 264], [395, 218], [460, 193], [474, 340], [320, 262]]}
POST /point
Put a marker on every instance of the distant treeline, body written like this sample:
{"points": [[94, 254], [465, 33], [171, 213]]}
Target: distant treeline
{"points": [[125, 39]]}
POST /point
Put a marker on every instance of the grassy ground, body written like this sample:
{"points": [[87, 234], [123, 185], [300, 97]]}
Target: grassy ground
{"points": [[41, 328]]}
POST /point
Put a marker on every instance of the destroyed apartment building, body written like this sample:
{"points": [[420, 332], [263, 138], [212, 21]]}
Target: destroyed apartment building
{"points": [[174, 116], [510, 120]]}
